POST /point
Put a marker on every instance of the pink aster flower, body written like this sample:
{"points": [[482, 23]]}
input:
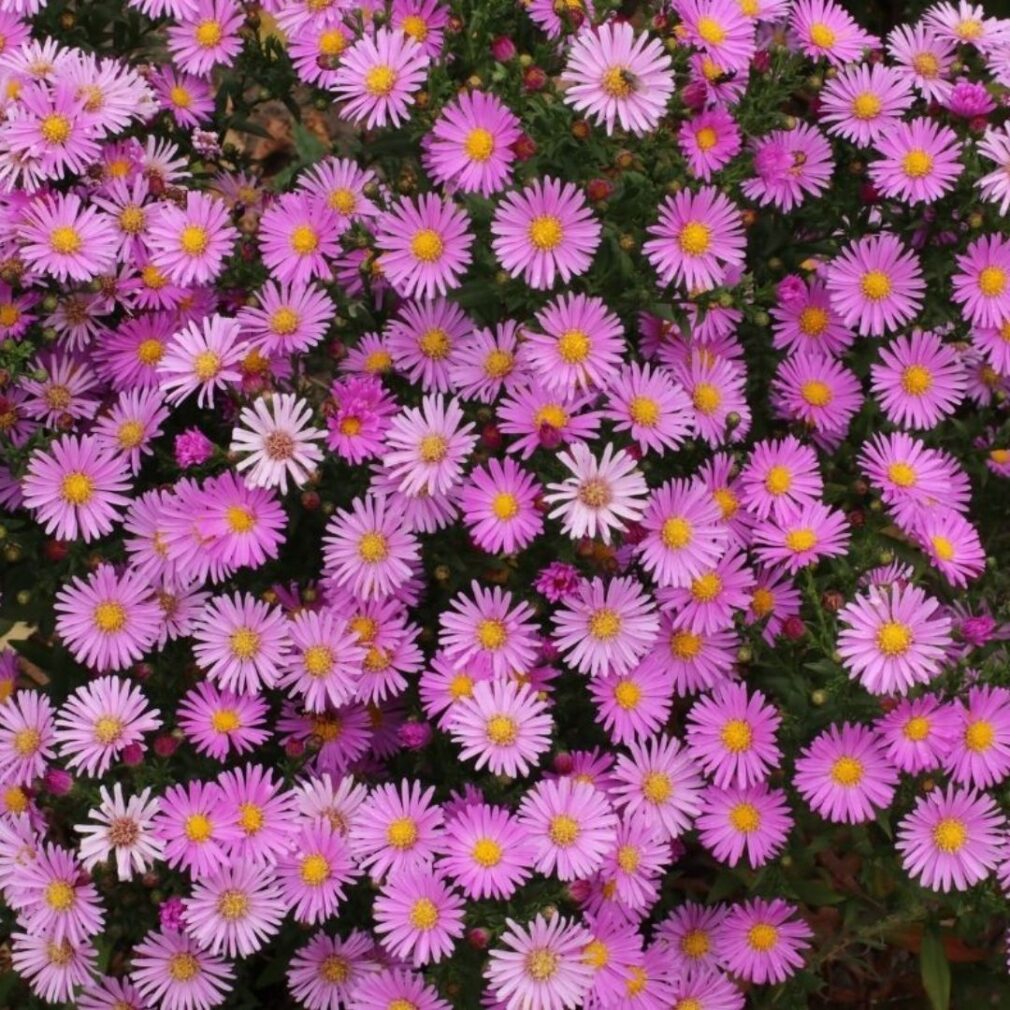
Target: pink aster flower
{"points": [[26, 737], [53, 970], [486, 363], [919, 161], [189, 245], [690, 937], [613, 76], [313, 873], [498, 506], [540, 966], [909, 473], [299, 235], [207, 35], [709, 141], [980, 755], [234, 909], [241, 642], [427, 446], [824, 29], [864, 102], [386, 987], [732, 736], [705, 989], [544, 232], [505, 726], [924, 58], [99, 720], [202, 357], [918, 733], [818, 391], [124, 831], [75, 488], [651, 406], [196, 827], [780, 474], [55, 900], [658, 777], [634, 704], [423, 340], [720, 29], [600, 495], [188, 98], [995, 185], [789, 166], [172, 970], [684, 533], [800, 535], [288, 318], [470, 145], [107, 993], [328, 969], [709, 602], [982, 283], [489, 628], [487, 852], [263, 810], [698, 235], [325, 660], [953, 839], [805, 322], [893, 640], [378, 76], [876, 284], [605, 627], [418, 916], [63, 237], [578, 344], [844, 774], [425, 245], [919, 381], [276, 441], [762, 941], [952, 544], [752, 821], [571, 826]]}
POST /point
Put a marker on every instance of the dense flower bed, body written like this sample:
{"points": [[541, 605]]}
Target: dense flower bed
{"points": [[508, 502]]}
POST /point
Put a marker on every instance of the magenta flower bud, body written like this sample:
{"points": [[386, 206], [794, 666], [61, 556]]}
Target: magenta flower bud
{"points": [[478, 938], [58, 782], [549, 436], [170, 913], [534, 79], [133, 754], [192, 448], [503, 49], [415, 735], [563, 763], [165, 745]]}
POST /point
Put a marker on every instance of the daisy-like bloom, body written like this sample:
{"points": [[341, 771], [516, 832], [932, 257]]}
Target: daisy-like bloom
{"points": [[504, 725], [659, 777], [762, 941], [801, 535], [578, 344], [418, 916], [395, 987], [779, 474], [684, 533], [919, 380], [298, 235], [864, 102], [174, 972], [925, 58], [844, 774], [108, 622], [424, 21], [486, 363], [967, 23], [26, 737], [99, 720], [952, 840], [469, 147], [605, 627], [982, 284], [263, 811], [909, 473], [498, 506], [544, 232], [876, 284], [425, 245], [720, 29], [613, 76], [64, 238], [279, 442], [918, 733], [313, 872], [980, 755], [132, 423], [378, 76], [189, 245], [487, 852], [188, 98], [53, 970], [709, 141], [752, 821], [632, 869], [789, 166], [107, 993], [240, 642], [289, 318], [196, 827], [542, 418], [600, 495], [124, 830], [651, 406], [823, 29], [54, 900], [709, 602], [995, 186], [705, 989], [325, 660], [818, 391], [919, 161], [427, 446], [207, 35], [326, 971], [893, 639], [952, 545], [423, 340], [202, 357], [66, 393], [697, 236], [690, 936], [731, 734], [571, 826], [540, 966], [397, 829], [489, 628], [634, 704], [805, 322]]}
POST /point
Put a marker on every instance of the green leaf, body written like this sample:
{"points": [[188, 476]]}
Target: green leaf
{"points": [[308, 146], [935, 970], [815, 893]]}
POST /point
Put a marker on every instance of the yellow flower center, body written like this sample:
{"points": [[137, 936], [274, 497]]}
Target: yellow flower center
{"points": [[644, 411], [736, 736], [916, 729], [595, 493], [317, 660], [334, 969], [950, 835], [816, 393], [706, 398], [433, 449], [233, 905], [627, 694], [695, 238], [77, 488], [762, 936], [183, 967], [55, 129], [637, 980], [505, 505], [208, 33], [180, 97], [498, 364], [926, 65], [314, 870], [676, 533], [574, 346], [745, 817], [343, 201], [198, 828], [657, 787], [65, 240], [894, 638], [284, 321], [193, 240], [552, 415], [108, 729], [847, 771], [992, 281], [304, 240], [150, 351], [917, 163], [206, 365], [15, 799], [617, 82], [402, 833], [426, 245], [563, 830], [415, 27], [373, 548], [27, 742], [60, 896], [942, 548], [225, 720], [479, 144], [821, 35], [435, 344], [902, 475], [762, 601], [628, 858], [245, 643], [710, 31], [486, 852], [968, 29], [424, 914], [605, 624], [250, 818], [541, 964], [596, 954], [110, 617], [695, 943], [706, 138], [916, 380], [461, 686], [130, 435], [979, 735], [685, 644], [502, 731], [706, 587], [866, 106], [801, 540], [546, 232], [875, 284], [491, 634], [9, 314], [813, 321]]}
